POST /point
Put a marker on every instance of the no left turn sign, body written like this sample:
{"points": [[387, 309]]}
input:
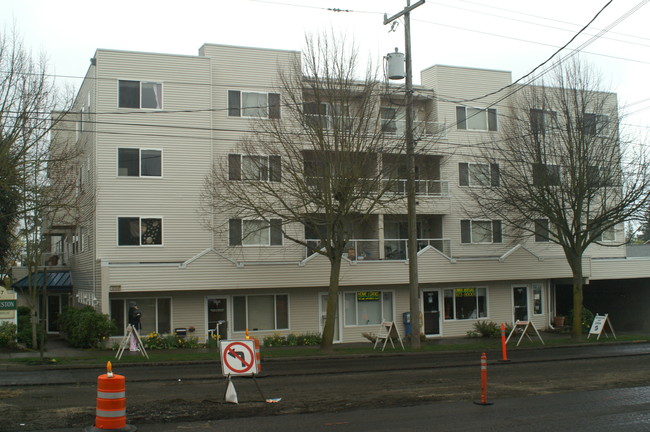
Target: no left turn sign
{"points": [[238, 358]]}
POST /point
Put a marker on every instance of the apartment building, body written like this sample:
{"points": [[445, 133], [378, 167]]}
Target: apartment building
{"points": [[150, 127]]}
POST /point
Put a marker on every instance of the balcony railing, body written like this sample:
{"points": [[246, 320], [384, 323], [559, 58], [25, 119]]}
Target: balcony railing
{"points": [[420, 128], [389, 127], [422, 187], [394, 249]]}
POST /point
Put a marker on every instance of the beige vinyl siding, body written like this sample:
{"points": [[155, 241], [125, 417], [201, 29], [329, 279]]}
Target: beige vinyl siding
{"points": [[183, 138]]}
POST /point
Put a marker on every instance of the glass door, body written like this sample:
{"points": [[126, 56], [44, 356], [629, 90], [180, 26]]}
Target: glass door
{"points": [[431, 312], [520, 303], [217, 312]]}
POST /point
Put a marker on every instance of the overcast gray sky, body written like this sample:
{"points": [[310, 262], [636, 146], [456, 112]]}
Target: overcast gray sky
{"points": [[494, 34]]}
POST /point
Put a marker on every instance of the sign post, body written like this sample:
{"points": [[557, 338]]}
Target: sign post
{"points": [[599, 326]]}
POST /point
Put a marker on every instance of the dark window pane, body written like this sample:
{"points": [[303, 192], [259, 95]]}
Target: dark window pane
{"points": [[276, 232], [129, 94], [274, 105], [541, 230], [234, 230], [494, 175], [164, 315], [497, 235], [492, 119], [465, 231], [234, 103], [117, 315], [151, 163], [275, 168], [128, 163], [463, 171], [282, 312], [234, 167], [128, 231], [460, 118]]}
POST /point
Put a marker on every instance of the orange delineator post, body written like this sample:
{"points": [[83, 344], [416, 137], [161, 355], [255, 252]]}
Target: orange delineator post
{"points": [[110, 414], [504, 354], [483, 379], [258, 356]]}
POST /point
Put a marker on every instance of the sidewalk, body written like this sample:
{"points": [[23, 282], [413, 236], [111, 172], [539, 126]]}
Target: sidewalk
{"points": [[57, 347]]}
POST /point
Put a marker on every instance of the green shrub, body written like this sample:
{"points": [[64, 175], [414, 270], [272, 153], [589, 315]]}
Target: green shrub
{"points": [[587, 319], [24, 333], [155, 340], [486, 329], [85, 327], [307, 339], [7, 334]]}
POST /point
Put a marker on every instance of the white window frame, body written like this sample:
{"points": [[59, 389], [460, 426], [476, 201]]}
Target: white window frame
{"points": [[140, 150], [356, 308], [141, 82], [265, 111], [478, 315], [275, 312], [474, 114], [140, 218], [491, 230]]}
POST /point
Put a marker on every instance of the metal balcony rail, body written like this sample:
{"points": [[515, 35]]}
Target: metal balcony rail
{"points": [[422, 187], [393, 249]]}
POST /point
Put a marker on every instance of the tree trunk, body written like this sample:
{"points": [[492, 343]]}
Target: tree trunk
{"points": [[332, 304], [576, 324]]}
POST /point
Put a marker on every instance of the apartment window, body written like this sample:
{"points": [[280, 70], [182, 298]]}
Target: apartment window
{"points": [[476, 118], [253, 104], [478, 174], [156, 314], [546, 175], [135, 162], [254, 167], [538, 299], [368, 307], [595, 124], [465, 303], [260, 312], [388, 122], [481, 231], [255, 232], [137, 231], [608, 235], [542, 121], [542, 233], [140, 94]]}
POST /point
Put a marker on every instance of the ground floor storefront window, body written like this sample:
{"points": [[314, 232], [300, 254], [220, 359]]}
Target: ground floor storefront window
{"points": [[260, 312], [368, 307], [465, 303], [156, 314]]}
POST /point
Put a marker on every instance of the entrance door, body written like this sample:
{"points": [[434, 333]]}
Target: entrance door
{"points": [[431, 312], [520, 302], [218, 314], [55, 305], [323, 315]]}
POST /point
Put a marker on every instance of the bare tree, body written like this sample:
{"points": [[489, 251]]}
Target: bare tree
{"points": [[566, 176], [28, 100], [321, 181]]}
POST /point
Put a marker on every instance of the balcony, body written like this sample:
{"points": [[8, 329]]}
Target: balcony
{"points": [[393, 249], [421, 129], [422, 187]]}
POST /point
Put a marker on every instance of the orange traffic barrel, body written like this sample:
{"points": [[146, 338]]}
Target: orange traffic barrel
{"points": [[110, 414]]}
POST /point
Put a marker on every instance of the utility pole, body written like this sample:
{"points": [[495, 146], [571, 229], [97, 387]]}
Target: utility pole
{"points": [[414, 290]]}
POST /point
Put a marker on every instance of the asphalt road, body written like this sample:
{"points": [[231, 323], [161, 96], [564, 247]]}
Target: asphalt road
{"points": [[191, 396]]}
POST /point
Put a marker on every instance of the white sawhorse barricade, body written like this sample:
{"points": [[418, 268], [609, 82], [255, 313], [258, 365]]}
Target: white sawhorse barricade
{"points": [[387, 332], [523, 326]]}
